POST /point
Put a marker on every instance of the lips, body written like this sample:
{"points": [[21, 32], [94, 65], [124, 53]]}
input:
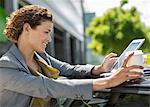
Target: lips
{"points": [[44, 44]]}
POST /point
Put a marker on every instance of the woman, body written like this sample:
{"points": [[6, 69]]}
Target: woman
{"points": [[26, 77]]}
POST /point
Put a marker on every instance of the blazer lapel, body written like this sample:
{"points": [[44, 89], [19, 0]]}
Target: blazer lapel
{"points": [[48, 70], [16, 53], [39, 58]]}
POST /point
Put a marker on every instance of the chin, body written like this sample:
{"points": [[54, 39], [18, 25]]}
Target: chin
{"points": [[41, 51]]}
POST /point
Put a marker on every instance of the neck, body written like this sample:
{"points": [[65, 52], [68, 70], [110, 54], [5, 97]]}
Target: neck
{"points": [[25, 49]]}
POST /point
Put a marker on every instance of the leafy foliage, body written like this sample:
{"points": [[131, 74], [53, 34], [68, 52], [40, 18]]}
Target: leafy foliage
{"points": [[2, 24], [115, 29]]}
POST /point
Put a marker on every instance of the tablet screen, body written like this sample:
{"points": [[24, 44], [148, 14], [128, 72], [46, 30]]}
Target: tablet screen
{"points": [[134, 45]]}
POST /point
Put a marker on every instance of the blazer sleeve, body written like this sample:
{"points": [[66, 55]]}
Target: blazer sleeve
{"points": [[72, 71], [16, 80]]}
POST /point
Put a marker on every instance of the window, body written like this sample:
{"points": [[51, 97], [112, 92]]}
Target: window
{"points": [[59, 44]]}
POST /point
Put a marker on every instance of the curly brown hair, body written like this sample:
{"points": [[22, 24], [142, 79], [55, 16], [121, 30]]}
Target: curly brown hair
{"points": [[31, 14]]}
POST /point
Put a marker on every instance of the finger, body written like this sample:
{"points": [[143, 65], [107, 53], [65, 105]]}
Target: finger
{"points": [[113, 60], [135, 67], [111, 55], [127, 59], [137, 80], [130, 77], [134, 73]]}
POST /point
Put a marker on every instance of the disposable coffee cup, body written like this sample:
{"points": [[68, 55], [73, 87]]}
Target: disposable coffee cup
{"points": [[136, 59]]}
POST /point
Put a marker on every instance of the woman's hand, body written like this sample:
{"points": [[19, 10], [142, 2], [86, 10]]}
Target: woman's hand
{"points": [[107, 64], [121, 75]]}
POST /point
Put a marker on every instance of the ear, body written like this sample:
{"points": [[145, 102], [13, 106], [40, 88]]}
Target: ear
{"points": [[26, 27]]}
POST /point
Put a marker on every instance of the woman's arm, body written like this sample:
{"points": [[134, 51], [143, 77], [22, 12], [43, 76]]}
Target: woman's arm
{"points": [[14, 79], [71, 71], [83, 71], [18, 81]]}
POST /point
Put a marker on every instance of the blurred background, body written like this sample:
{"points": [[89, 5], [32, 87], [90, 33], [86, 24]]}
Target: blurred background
{"points": [[86, 30]]}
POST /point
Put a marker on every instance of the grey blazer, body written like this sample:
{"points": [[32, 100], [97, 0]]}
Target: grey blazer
{"points": [[17, 85]]}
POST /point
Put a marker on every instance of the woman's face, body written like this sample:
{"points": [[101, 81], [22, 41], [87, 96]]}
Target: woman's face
{"points": [[40, 36]]}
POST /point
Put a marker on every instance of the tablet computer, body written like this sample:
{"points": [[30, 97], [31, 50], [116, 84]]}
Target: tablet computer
{"points": [[134, 45]]}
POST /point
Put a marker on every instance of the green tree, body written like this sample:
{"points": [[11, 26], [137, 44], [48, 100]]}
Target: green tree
{"points": [[2, 24], [113, 31]]}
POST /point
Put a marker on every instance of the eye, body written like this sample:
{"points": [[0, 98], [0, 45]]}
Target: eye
{"points": [[46, 32]]}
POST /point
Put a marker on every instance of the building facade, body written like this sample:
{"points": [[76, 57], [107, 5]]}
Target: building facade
{"points": [[68, 35]]}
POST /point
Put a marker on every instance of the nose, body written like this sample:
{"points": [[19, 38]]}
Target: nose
{"points": [[49, 38]]}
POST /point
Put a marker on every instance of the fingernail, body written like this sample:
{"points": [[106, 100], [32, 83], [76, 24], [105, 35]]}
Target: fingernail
{"points": [[141, 67], [131, 54]]}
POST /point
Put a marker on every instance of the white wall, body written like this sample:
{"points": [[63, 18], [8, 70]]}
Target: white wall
{"points": [[67, 13]]}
